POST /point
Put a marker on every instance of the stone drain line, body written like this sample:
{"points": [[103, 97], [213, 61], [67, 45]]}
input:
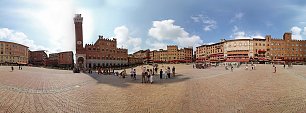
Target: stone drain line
{"points": [[44, 91]]}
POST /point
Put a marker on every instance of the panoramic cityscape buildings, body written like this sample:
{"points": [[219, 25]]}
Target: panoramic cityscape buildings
{"points": [[171, 55], [104, 52], [152, 56], [258, 50]]}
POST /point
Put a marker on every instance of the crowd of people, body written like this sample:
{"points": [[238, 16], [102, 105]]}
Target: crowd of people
{"points": [[201, 65], [147, 74]]}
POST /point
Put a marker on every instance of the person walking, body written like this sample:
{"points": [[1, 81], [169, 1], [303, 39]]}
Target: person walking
{"points": [[173, 71], [12, 68], [151, 76], [274, 69], [123, 73], [148, 75], [284, 66], [89, 70], [156, 69], [143, 75], [161, 74], [134, 74], [100, 70], [168, 72], [232, 68]]}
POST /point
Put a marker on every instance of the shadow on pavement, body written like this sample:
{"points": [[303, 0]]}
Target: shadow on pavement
{"points": [[127, 81]]}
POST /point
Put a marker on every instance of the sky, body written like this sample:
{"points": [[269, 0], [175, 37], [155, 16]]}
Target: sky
{"points": [[148, 24]]}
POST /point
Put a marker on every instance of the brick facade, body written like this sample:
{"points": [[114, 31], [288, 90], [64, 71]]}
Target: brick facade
{"points": [[257, 50], [61, 59], [52, 60], [239, 50], [286, 49], [134, 61], [211, 53], [13, 53], [38, 58], [172, 54], [142, 54], [103, 53]]}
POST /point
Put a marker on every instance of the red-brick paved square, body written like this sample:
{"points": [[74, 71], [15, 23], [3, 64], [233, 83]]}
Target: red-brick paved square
{"points": [[192, 90]]}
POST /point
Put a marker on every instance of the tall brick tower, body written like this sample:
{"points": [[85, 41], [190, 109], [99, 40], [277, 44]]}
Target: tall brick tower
{"points": [[78, 21], [80, 52]]}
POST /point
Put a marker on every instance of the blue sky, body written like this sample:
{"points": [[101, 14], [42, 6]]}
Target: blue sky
{"points": [[143, 24]]}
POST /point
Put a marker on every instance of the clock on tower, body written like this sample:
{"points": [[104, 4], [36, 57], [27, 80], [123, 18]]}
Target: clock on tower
{"points": [[78, 20], [79, 42]]}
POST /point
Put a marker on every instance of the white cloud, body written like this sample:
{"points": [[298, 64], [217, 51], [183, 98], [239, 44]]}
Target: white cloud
{"points": [[235, 29], [20, 38], [258, 36], [5, 32], [55, 17], [207, 23], [237, 16], [124, 39], [165, 30], [195, 18], [243, 35], [240, 35], [156, 45], [237, 34], [296, 33], [304, 32], [189, 41], [210, 43]]}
